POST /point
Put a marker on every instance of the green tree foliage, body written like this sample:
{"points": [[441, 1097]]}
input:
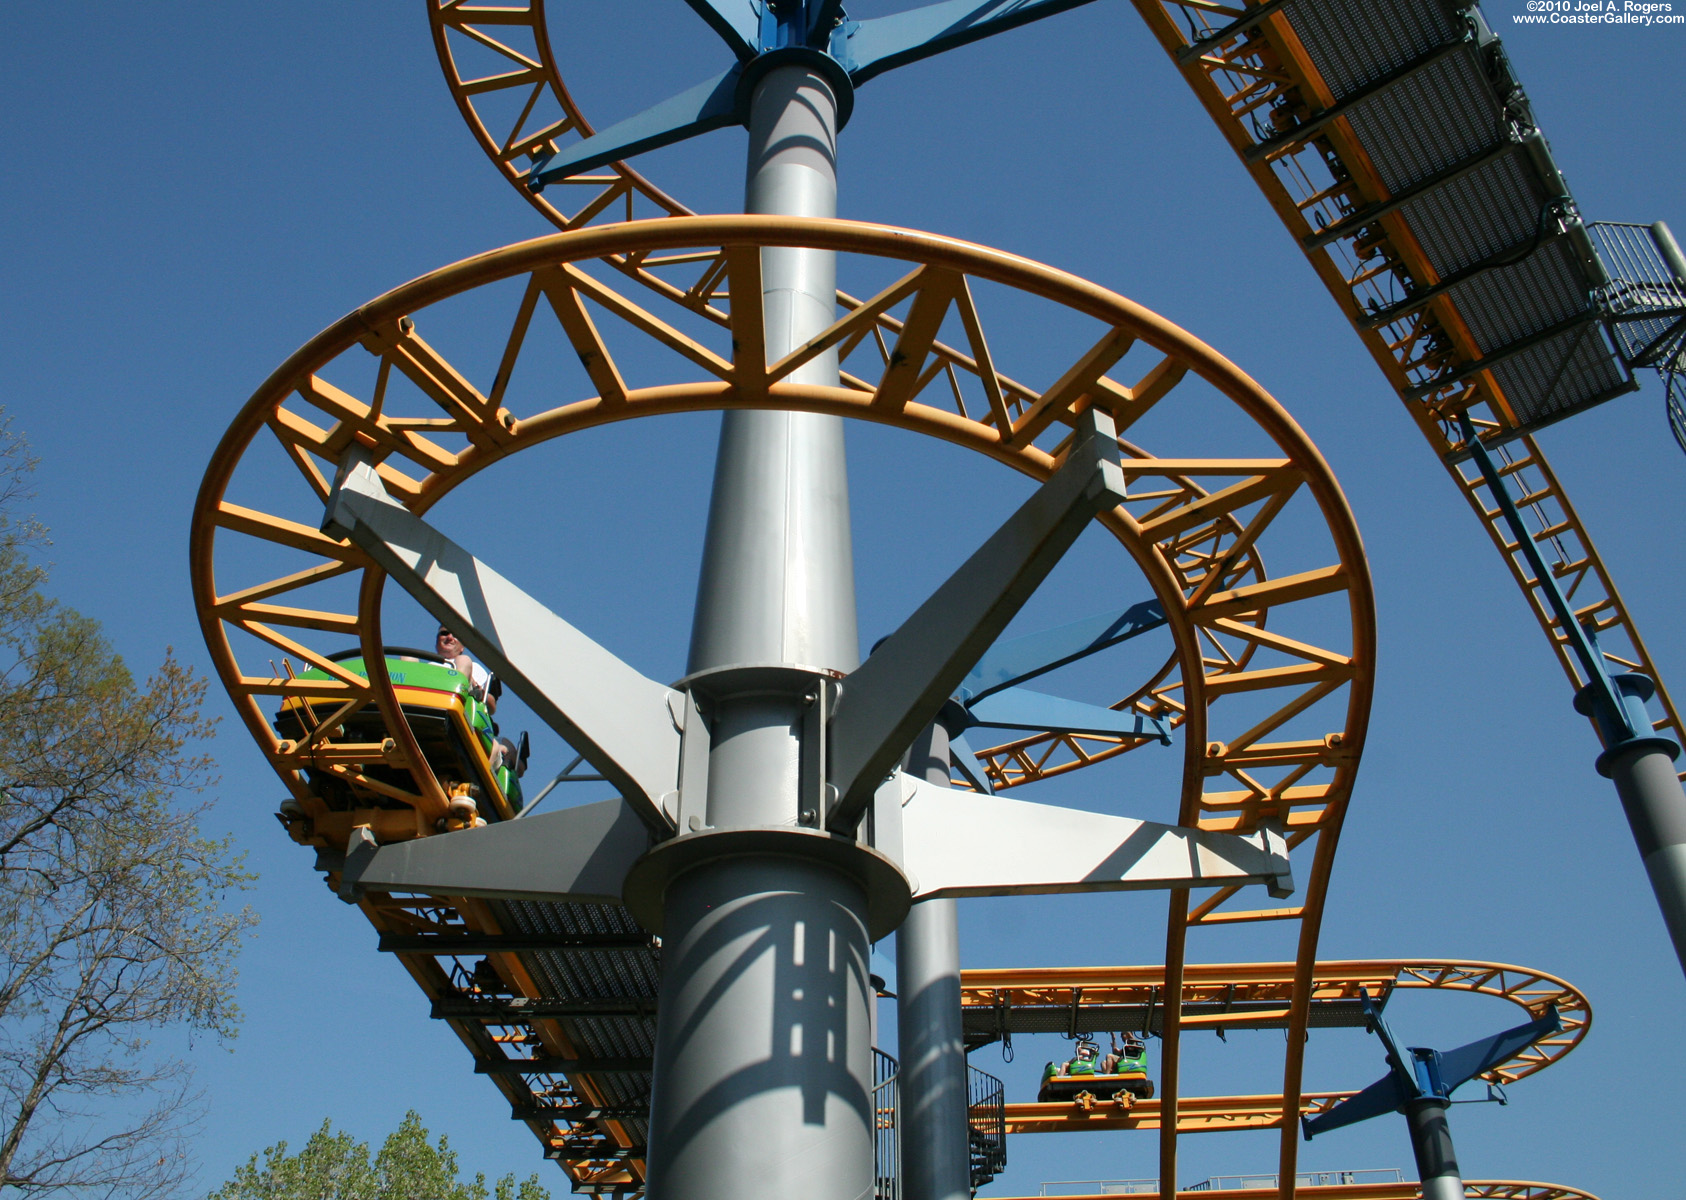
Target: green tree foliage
{"points": [[334, 1166], [113, 923]]}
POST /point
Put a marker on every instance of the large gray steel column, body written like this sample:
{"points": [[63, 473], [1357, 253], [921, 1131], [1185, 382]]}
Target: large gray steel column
{"points": [[1431, 1142], [936, 1155], [763, 1062], [1642, 768]]}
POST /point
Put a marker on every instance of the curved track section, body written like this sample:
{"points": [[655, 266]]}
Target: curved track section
{"points": [[1474, 1189], [502, 74], [1074, 1000], [1270, 680], [1223, 996], [1426, 233]]}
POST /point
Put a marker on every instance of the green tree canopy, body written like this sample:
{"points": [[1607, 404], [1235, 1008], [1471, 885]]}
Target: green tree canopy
{"points": [[335, 1166]]}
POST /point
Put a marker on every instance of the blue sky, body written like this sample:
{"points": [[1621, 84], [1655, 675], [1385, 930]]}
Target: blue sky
{"points": [[192, 190]]}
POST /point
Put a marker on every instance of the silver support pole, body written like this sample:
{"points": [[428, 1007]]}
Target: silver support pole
{"points": [[1640, 762], [1431, 1142], [936, 1153], [763, 1058], [778, 578], [1650, 791]]}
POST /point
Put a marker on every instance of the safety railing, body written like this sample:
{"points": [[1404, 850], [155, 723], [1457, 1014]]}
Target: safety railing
{"points": [[1236, 1183], [986, 1125], [1220, 1183], [886, 1128], [1645, 290], [1101, 1187]]}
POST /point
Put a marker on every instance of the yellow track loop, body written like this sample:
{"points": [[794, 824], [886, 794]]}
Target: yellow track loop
{"points": [[1218, 986], [1474, 1189], [1271, 678], [521, 106], [1240, 78]]}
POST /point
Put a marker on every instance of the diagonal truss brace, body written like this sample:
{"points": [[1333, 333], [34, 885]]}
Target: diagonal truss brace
{"points": [[903, 685], [627, 726]]}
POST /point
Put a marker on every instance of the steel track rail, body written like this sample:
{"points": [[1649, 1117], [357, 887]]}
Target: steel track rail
{"points": [[1239, 76], [1257, 995], [1196, 526], [1034, 758], [1474, 1189]]}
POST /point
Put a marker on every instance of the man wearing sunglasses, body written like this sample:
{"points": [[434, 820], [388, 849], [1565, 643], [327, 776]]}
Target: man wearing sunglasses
{"points": [[452, 654]]}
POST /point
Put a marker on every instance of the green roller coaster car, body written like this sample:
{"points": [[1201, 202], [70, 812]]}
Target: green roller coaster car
{"points": [[1122, 1071], [453, 729]]}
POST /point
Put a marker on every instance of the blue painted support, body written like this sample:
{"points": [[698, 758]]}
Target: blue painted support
{"points": [[736, 21], [1581, 640], [712, 104], [1422, 1091], [1021, 708], [1020, 659], [965, 761], [869, 48], [1421, 1073], [763, 33], [825, 17], [1636, 758]]}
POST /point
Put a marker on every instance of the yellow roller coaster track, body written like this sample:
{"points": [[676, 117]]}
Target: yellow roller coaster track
{"points": [[544, 117], [1474, 1189], [1243, 60], [1198, 525], [1258, 63], [1232, 996]]}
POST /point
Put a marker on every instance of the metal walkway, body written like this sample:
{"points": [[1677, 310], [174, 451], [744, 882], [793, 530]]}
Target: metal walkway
{"points": [[1397, 146]]}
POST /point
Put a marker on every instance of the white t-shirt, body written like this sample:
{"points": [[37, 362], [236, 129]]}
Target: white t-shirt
{"points": [[478, 677]]}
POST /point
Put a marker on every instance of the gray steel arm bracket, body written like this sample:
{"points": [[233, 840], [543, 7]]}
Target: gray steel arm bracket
{"points": [[902, 686], [964, 844], [622, 722], [579, 854]]}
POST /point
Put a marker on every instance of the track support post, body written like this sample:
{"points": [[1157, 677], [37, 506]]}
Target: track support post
{"points": [[763, 1058], [1636, 758], [936, 1154]]}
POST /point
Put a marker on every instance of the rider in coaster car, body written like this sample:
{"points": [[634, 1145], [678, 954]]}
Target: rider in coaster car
{"points": [[480, 680]]}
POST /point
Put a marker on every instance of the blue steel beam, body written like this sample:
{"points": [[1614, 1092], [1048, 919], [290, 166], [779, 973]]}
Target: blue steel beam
{"points": [[1021, 708], [712, 104], [1435, 1075], [824, 18], [1019, 659], [1613, 709], [962, 758], [872, 47], [738, 22], [1458, 1067], [754, 29]]}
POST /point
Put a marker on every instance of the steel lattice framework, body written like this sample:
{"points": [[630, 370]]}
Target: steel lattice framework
{"points": [[1244, 62], [568, 1036], [1311, 143], [1226, 996], [1298, 647]]}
